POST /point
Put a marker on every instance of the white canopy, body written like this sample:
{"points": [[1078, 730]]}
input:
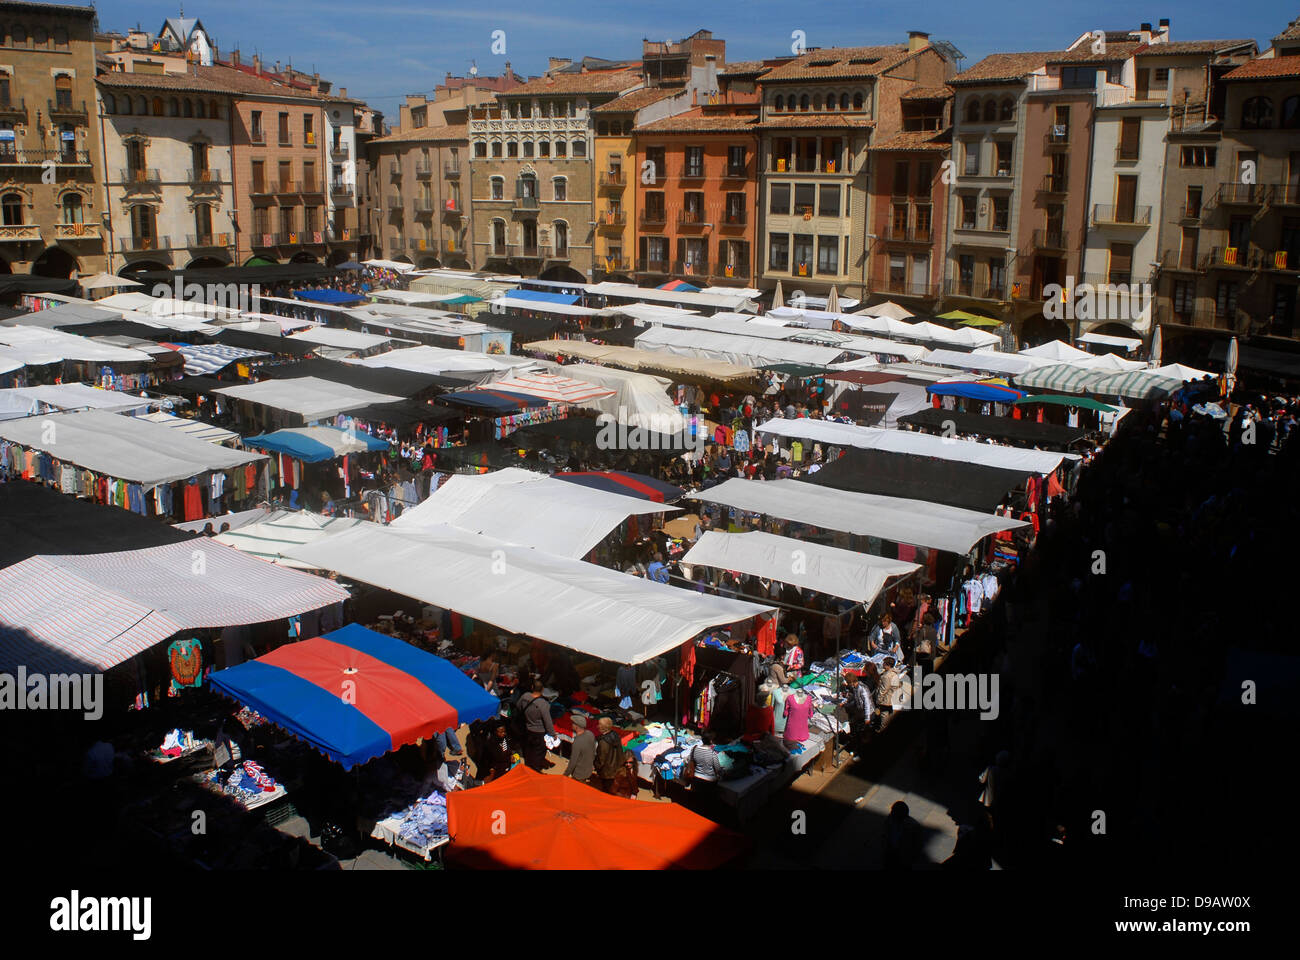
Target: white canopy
{"points": [[650, 312], [544, 306], [722, 301], [128, 448], [1109, 363], [436, 360], [194, 428], [1102, 339], [529, 509], [578, 605], [102, 609], [643, 397], [891, 326], [343, 339], [1179, 372], [75, 396], [35, 346], [920, 444], [310, 397], [208, 358], [742, 351], [991, 360], [840, 573], [268, 539], [740, 325], [553, 387], [890, 518], [394, 265], [887, 309], [1056, 350], [103, 281]]}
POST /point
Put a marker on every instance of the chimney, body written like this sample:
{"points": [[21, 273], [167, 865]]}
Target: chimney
{"points": [[508, 72], [234, 57], [343, 92], [555, 63], [917, 40], [1164, 29], [257, 65], [1144, 33]]}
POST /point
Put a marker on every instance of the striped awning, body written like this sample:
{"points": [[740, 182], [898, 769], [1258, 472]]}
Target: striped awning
{"points": [[552, 387], [78, 613], [1136, 385], [1061, 378], [205, 358]]}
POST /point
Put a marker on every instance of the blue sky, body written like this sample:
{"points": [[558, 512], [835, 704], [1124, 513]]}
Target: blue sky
{"points": [[383, 49]]}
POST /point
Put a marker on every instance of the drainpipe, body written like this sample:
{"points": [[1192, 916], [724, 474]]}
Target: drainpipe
{"points": [[234, 194], [1087, 197], [108, 196]]}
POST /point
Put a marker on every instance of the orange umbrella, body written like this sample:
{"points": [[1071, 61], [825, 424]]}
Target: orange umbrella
{"points": [[531, 821]]}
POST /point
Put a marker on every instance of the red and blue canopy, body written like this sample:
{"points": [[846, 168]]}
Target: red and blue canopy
{"points": [[976, 390], [355, 694], [628, 484]]}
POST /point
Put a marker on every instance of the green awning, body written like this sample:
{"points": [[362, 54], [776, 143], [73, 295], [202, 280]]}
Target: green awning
{"points": [[260, 262], [1087, 403], [798, 370], [972, 319]]}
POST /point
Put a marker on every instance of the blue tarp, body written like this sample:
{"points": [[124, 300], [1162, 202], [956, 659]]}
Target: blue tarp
{"points": [[355, 694], [302, 447], [543, 296], [333, 297], [499, 401], [976, 391]]}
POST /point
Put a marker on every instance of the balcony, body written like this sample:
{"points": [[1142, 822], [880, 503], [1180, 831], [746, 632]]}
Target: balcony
{"points": [[736, 171], [526, 205], [286, 187], [1189, 214], [652, 266], [293, 238], [261, 189], [1286, 261], [140, 244], [11, 156], [1285, 195], [899, 234], [76, 231], [1051, 240], [257, 137], [556, 252], [734, 218], [614, 264], [205, 241], [68, 112], [735, 271], [14, 112], [691, 268], [1185, 261], [959, 288], [203, 178], [1230, 258], [285, 140], [906, 288], [1240, 194], [1129, 155], [339, 188], [20, 234], [423, 204], [424, 246], [693, 173], [423, 170], [1057, 138], [451, 207], [451, 170], [339, 151], [613, 179], [523, 251], [611, 218], [309, 187], [1054, 184], [1105, 214], [653, 220], [394, 203], [142, 178], [395, 170], [692, 218]]}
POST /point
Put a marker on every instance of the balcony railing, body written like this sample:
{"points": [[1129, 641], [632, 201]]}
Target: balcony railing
{"points": [[311, 186], [1245, 194], [137, 244], [1056, 138], [261, 189], [423, 246], [424, 170], [613, 178], [141, 176], [691, 218], [653, 219], [611, 218], [645, 265], [451, 170], [76, 231], [1051, 240], [1285, 195], [906, 288], [284, 187], [257, 137], [1105, 213], [693, 173], [338, 187], [204, 177], [556, 252], [691, 268], [1185, 261], [451, 207], [394, 203], [17, 156], [614, 264], [908, 234], [523, 251], [735, 270], [735, 218], [423, 204], [1189, 214], [339, 151], [286, 140], [14, 111], [205, 240], [20, 234], [1230, 258], [1054, 183], [395, 170], [68, 111], [737, 171], [1130, 155], [528, 204], [1284, 260]]}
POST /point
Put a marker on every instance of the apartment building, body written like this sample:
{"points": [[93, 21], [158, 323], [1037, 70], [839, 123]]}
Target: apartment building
{"points": [[532, 173], [908, 201], [50, 158], [819, 114], [421, 182], [169, 194]]}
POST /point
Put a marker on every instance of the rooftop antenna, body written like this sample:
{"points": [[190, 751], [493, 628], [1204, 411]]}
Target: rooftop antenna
{"points": [[473, 68]]}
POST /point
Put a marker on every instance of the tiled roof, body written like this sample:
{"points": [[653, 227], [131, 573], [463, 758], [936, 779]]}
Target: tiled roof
{"points": [[426, 134], [119, 80], [939, 141], [941, 92], [1180, 48], [1083, 53], [612, 81], [825, 121], [1292, 31], [839, 63], [1004, 66], [635, 100], [55, 9], [1272, 68], [742, 68], [698, 122]]}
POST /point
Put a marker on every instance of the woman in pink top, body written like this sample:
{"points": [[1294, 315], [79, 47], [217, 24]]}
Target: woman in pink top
{"points": [[798, 708]]}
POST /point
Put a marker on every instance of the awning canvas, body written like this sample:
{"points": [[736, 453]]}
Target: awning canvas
{"points": [[309, 397], [99, 610], [840, 573], [890, 518], [552, 387], [316, 444], [582, 606]]}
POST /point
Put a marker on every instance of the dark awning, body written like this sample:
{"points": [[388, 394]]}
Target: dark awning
{"points": [[268, 274], [1256, 359], [389, 380], [29, 283], [192, 386], [405, 413], [868, 407], [526, 328], [951, 482], [1020, 432], [285, 346]]}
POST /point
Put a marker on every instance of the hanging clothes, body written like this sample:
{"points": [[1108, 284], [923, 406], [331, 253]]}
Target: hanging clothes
{"points": [[185, 657]]}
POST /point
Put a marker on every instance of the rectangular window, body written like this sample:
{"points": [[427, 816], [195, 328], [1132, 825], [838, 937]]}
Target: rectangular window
{"points": [[655, 157], [778, 252], [259, 176], [694, 162], [1003, 148], [308, 134], [1197, 156], [736, 161], [544, 148], [561, 148], [897, 272], [924, 176], [966, 271], [898, 222], [480, 149], [309, 177], [902, 169], [831, 149], [1193, 209], [1001, 213], [1225, 300], [1121, 263], [255, 132], [779, 199], [1076, 78], [498, 188], [782, 154], [803, 254], [1130, 129], [804, 198], [972, 168], [512, 149], [924, 222], [579, 148], [829, 201], [997, 278], [528, 149], [497, 149], [1188, 249], [735, 210], [968, 211], [1184, 297], [561, 189], [286, 176], [654, 207], [828, 255], [1239, 236], [285, 139]]}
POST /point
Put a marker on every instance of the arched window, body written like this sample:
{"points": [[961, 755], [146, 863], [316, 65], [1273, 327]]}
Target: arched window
{"points": [[1257, 113], [602, 128], [142, 226], [158, 107], [857, 101], [214, 111], [1008, 110], [817, 101], [972, 111], [126, 104], [72, 211], [202, 109], [498, 185], [990, 111], [142, 106], [12, 206], [803, 102], [579, 148], [1290, 113], [110, 103], [779, 103], [173, 107], [187, 107], [830, 102]]}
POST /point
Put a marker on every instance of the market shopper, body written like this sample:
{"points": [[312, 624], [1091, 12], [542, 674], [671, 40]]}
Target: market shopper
{"points": [[609, 755], [498, 754], [582, 759], [860, 706], [536, 710]]}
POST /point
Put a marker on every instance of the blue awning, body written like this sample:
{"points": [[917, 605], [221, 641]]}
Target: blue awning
{"points": [[498, 401], [315, 444], [544, 297], [976, 391], [334, 297]]}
